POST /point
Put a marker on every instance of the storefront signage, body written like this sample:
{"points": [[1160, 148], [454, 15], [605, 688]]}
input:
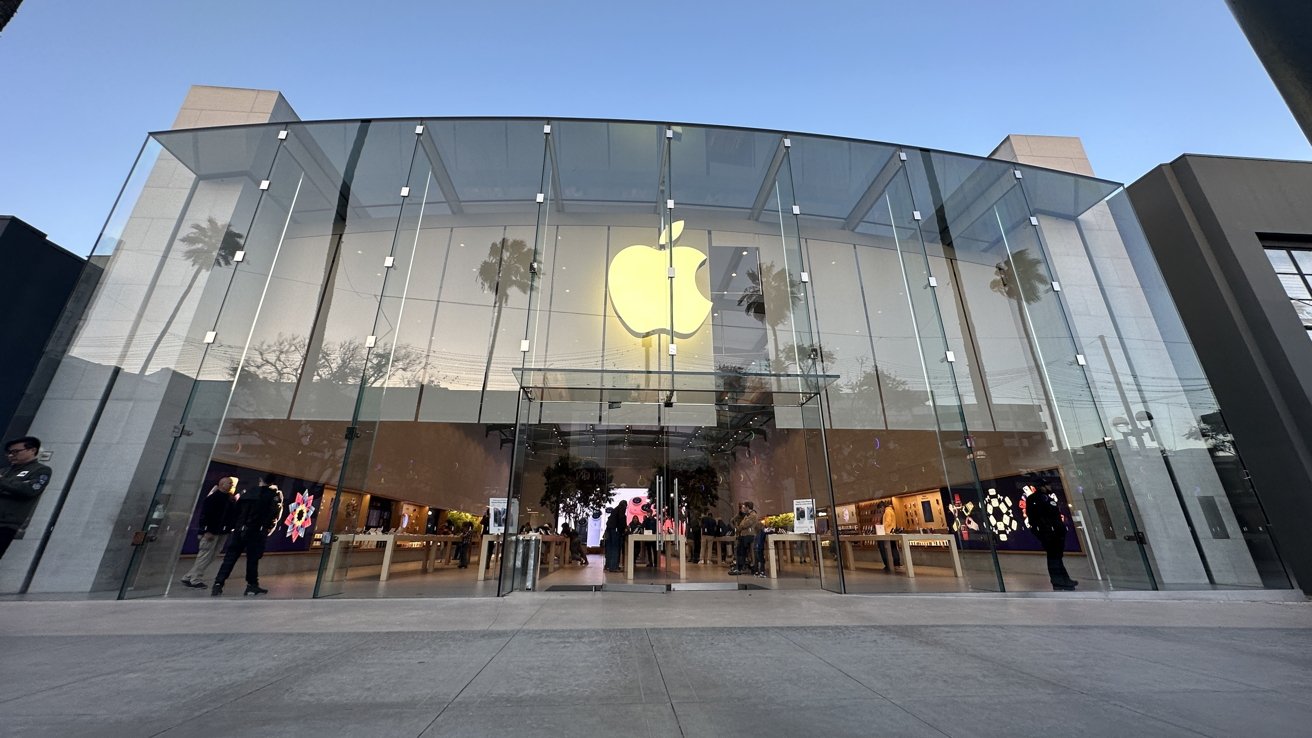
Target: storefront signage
{"points": [[648, 296]]}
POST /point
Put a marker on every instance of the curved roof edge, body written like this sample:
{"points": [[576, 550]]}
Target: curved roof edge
{"points": [[546, 118]]}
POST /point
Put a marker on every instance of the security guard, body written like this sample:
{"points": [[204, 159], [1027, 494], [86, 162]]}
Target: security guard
{"points": [[20, 487]]}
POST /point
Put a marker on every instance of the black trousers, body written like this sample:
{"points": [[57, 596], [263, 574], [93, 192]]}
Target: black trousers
{"points": [[1054, 546], [6, 538], [742, 552], [249, 542]]}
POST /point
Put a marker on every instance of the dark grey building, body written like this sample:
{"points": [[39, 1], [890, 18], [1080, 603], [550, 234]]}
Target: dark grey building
{"points": [[1277, 29], [36, 279], [1234, 240]]}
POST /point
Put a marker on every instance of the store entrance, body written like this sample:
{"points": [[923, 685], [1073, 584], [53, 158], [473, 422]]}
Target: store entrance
{"points": [[656, 467]]}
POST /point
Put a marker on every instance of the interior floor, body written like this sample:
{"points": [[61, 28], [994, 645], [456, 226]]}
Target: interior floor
{"points": [[407, 579]]}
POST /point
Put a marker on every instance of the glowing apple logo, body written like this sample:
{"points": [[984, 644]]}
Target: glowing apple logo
{"points": [[640, 288]]}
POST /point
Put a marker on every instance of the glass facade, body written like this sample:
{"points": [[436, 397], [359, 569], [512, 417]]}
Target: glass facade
{"points": [[403, 322]]}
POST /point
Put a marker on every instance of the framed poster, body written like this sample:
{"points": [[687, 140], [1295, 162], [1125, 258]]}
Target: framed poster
{"points": [[496, 523], [804, 516]]}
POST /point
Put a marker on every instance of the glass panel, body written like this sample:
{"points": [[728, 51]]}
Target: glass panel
{"points": [[1043, 429], [391, 220], [522, 551], [1294, 286], [183, 349], [950, 505], [1304, 310], [1304, 259], [895, 434], [1175, 416], [1280, 261]]}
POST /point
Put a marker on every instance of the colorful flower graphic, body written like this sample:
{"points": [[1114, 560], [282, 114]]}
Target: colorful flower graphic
{"points": [[300, 516]]}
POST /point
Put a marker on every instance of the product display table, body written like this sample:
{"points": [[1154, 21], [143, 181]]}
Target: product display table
{"points": [[772, 542], [662, 539], [904, 540], [554, 553], [391, 539], [721, 548], [489, 544]]}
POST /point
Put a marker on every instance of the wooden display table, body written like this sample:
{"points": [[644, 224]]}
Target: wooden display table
{"points": [[554, 552], [771, 543], [391, 539], [904, 540], [663, 539], [489, 544], [721, 548]]}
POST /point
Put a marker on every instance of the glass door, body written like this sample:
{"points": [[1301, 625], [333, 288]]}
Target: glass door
{"points": [[660, 501]]}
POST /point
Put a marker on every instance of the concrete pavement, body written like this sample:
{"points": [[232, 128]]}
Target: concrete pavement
{"points": [[685, 663]]}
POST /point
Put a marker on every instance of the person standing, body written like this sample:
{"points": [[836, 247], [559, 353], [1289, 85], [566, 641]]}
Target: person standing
{"points": [[215, 525], [256, 515], [1047, 525], [709, 530], [462, 548], [694, 530], [745, 526], [21, 485], [616, 524], [889, 551]]}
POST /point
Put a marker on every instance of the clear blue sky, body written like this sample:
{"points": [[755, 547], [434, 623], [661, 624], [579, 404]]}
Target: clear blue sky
{"points": [[1141, 81]]}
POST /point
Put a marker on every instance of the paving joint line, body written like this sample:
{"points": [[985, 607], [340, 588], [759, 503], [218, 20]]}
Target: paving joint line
{"points": [[646, 632], [872, 690]]}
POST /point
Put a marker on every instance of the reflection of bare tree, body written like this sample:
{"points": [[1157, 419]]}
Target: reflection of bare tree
{"points": [[343, 362], [810, 355], [209, 245], [1219, 440], [774, 289], [899, 399]]}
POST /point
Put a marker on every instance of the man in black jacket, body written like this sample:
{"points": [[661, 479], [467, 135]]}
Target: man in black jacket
{"points": [[20, 487], [256, 514], [215, 525], [1046, 524]]}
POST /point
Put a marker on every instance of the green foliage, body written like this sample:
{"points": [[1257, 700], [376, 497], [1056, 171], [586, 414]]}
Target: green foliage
{"points": [[575, 487], [457, 519], [699, 486], [782, 521]]}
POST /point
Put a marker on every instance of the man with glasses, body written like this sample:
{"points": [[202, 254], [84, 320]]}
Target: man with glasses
{"points": [[20, 486]]}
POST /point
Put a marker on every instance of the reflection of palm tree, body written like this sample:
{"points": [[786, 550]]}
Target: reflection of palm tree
{"points": [[507, 266], [1019, 276], [771, 288], [210, 244]]}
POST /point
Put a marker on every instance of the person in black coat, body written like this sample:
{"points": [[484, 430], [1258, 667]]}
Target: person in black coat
{"points": [[21, 485], [615, 528], [215, 525], [1047, 525], [256, 515]]}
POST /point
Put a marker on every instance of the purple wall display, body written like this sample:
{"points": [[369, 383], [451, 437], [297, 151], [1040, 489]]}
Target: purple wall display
{"points": [[1002, 511], [300, 507]]}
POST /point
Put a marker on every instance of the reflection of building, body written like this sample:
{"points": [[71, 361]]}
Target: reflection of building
{"points": [[1234, 239], [418, 315]]}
